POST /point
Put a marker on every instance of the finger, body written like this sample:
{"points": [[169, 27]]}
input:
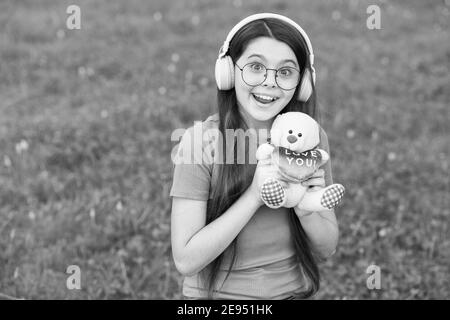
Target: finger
{"points": [[320, 182], [313, 189], [318, 174], [264, 162], [284, 184]]}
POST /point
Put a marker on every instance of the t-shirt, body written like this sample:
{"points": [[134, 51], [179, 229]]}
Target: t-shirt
{"points": [[266, 266]]}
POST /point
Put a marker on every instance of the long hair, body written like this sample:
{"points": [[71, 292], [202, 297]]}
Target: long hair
{"points": [[235, 178]]}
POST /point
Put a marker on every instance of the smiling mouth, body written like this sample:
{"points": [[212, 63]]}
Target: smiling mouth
{"points": [[264, 99]]}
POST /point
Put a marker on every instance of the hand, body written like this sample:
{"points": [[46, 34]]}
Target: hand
{"points": [[264, 170], [316, 181]]}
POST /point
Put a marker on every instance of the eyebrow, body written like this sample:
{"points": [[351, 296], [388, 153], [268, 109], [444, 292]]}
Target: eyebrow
{"points": [[263, 58]]}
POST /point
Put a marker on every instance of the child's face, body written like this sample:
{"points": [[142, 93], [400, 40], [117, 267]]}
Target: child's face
{"points": [[273, 54]]}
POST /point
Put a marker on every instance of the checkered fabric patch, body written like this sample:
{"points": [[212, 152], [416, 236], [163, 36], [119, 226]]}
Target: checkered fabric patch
{"points": [[272, 193], [332, 196]]}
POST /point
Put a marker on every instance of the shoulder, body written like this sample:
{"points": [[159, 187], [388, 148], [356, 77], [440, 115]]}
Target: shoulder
{"points": [[213, 119], [202, 131], [210, 123]]}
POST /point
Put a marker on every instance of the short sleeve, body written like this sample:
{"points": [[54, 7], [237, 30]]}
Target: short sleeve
{"points": [[327, 166], [191, 168]]}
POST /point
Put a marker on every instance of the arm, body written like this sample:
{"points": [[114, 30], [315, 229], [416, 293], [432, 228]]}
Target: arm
{"points": [[194, 244], [321, 227], [322, 230]]}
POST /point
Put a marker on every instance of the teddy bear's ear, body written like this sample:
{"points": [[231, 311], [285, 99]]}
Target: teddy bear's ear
{"points": [[276, 130], [312, 137]]}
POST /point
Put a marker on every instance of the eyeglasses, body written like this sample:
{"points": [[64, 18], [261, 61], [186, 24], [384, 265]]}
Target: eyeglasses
{"points": [[255, 73]]}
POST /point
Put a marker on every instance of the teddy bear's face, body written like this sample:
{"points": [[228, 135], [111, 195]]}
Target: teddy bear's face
{"points": [[292, 138], [296, 131]]}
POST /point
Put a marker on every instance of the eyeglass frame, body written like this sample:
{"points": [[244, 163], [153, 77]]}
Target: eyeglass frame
{"points": [[265, 75]]}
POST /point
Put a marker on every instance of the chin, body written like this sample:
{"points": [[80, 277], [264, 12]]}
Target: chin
{"points": [[262, 115]]}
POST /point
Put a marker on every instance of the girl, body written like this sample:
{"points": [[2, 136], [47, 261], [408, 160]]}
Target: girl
{"points": [[226, 243]]}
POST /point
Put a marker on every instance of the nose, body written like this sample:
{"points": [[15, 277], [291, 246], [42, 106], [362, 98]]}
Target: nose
{"points": [[291, 138], [270, 80]]}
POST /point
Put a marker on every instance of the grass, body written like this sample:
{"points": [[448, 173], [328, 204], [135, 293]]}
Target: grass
{"points": [[86, 118]]}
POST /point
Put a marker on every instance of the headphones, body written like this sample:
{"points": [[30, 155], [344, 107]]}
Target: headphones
{"points": [[224, 69]]}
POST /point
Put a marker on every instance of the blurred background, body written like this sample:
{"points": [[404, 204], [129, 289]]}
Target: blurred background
{"points": [[86, 118]]}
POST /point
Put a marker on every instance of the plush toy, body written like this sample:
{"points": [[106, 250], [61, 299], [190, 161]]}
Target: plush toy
{"points": [[294, 137]]}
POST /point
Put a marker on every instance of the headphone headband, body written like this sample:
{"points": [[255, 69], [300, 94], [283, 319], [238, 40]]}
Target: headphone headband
{"points": [[258, 16]]}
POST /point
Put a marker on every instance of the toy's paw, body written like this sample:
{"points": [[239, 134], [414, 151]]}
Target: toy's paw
{"points": [[272, 193], [264, 151], [332, 196]]}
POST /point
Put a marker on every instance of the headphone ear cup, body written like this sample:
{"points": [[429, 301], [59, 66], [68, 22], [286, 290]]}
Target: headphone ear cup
{"points": [[224, 73], [305, 90]]}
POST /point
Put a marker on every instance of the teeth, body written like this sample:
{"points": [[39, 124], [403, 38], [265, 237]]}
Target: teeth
{"points": [[265, 97]]}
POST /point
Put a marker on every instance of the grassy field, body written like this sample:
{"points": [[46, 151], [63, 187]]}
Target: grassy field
{"points": [[86, 117]]}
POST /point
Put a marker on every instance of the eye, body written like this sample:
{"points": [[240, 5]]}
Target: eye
{"points": [[256, 67], [299, 135], [285, 72], [290, 131]]}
